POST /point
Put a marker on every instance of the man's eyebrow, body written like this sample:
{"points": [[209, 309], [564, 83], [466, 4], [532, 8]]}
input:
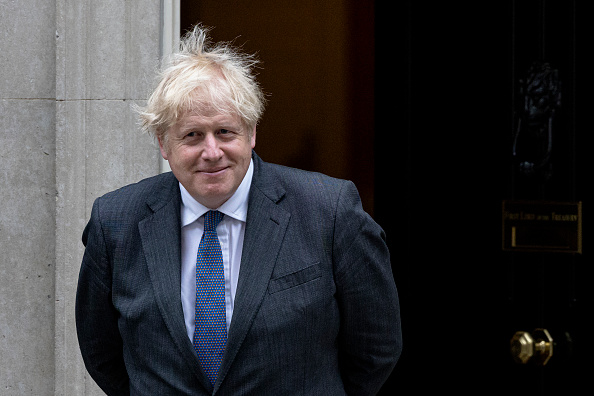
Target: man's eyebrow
{"points": [[223, 124], [188, 127]]}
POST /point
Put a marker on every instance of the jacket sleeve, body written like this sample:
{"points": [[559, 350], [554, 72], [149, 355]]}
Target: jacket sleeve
{"points": [[370, 339], [96, 318]]}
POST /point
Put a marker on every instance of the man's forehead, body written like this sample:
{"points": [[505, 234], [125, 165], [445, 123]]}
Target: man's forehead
{"points": [[208, 118]]}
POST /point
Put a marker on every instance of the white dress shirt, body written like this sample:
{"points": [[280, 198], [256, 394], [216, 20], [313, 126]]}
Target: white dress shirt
{"points": [[230, 231]]}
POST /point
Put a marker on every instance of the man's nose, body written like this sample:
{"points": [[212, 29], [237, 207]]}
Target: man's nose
{"points": [[211, 147]]}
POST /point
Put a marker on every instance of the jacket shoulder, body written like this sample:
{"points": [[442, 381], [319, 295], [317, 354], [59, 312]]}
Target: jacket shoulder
{"points": [[301, 181], [142, 187], [151, 191]]}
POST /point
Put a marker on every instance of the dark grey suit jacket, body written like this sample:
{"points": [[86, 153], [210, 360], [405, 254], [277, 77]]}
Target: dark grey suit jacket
{"points": [[316, 309]]}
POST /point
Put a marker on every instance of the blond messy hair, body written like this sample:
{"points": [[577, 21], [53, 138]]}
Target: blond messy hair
{"points": [[203, 77]]}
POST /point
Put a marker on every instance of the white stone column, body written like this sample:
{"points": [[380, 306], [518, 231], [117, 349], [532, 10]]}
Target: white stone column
{"points": [[70, 71], [27, 196], [106, 56]]}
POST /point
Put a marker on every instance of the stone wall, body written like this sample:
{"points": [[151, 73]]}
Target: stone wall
{"points": [[70, 71]]}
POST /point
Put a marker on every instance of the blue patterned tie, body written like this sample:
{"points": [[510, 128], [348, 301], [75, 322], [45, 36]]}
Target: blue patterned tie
{"points": [[210, 332]]}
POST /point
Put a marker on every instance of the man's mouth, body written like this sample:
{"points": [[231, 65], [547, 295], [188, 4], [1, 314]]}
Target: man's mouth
{"points": [[213, 171]]}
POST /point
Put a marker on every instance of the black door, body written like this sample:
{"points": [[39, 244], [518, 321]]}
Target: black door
{"points": [[453, 83]]}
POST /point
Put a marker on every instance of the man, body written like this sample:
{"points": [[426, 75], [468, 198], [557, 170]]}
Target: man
{"points": [[229, 275]]}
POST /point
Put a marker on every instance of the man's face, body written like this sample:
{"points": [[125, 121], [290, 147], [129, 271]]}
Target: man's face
{"points": [[209, 155]]}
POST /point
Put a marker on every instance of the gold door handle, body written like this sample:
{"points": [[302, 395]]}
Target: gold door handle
{"points": [[535, 348]]}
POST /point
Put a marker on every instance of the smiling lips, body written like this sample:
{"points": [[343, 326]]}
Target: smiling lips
{"points": [[213, 172]]}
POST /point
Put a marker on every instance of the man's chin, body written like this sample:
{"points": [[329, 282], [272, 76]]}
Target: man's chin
{"points": [[211, 198]]}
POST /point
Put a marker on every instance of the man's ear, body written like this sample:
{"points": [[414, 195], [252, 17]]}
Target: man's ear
{"points": [[253, 138], [162, 148]]}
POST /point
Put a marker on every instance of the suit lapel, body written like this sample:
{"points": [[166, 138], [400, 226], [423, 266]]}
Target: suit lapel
{"points": [[265, 229], [161, 235]]}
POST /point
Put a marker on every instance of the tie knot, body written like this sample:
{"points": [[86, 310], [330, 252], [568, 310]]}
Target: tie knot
{"points": [[212, 219]]}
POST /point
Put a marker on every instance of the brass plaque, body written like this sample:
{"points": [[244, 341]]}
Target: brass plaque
{"points": [[542, 226]]}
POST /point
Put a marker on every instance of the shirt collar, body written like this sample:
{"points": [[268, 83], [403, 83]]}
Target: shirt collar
{"points": [[235, 207]]}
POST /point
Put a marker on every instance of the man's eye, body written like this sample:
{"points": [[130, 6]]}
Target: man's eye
{"points": [[191, 134], [224, 131]]}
